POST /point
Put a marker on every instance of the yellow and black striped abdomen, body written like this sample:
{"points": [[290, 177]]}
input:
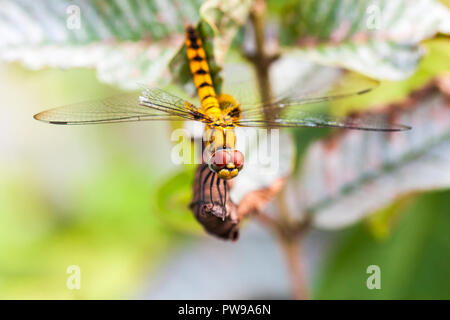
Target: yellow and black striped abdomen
{"points": [[200, 72]]}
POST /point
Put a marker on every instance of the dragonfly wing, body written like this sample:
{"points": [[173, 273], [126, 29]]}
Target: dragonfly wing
{"points": [[318, 90], [298, 108], [123, 108], [291, 118], [163, 101]]}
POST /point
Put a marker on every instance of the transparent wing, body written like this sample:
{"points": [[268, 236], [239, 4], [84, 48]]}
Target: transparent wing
{"points": [[335, 86], [299, 105], [163, 101], [151, 104], [293, 81], [292, 118]]}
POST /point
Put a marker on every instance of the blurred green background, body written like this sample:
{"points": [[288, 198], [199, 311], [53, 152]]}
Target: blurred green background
{"points": [[84, 196]]}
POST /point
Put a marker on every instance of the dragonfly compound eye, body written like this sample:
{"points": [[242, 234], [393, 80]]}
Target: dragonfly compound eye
{"points": [[226, 163], [238, 159]]}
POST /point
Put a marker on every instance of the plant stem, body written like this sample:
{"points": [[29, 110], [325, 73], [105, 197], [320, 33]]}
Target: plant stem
{"points": [[288, 232], [290, 238], [283, 209], [260, 59], [292, 251]]}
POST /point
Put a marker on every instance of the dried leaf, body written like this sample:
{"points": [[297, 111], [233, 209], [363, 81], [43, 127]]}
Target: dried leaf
{"points": [[217, 214], [250, 192], [256, 201]]}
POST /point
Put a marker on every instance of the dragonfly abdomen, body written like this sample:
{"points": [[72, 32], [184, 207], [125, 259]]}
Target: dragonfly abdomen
{"points": [[220, 138], [201, 74]]}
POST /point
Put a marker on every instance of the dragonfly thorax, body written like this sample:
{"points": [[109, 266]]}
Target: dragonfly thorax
{"points": [[222, 121]]}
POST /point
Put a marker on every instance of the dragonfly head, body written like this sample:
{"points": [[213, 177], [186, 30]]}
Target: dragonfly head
{"points": [[226, 163]]}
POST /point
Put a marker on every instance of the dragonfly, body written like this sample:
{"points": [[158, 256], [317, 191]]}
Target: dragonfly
{"points": [[220, 113]]}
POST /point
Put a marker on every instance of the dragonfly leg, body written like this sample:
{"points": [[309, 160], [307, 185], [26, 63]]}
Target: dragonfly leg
{"points": [[203, 184], [201, 180], [225, 186], [220, 193], [211, 188]]}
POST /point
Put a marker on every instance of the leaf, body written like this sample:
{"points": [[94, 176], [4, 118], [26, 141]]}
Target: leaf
{"points": [[173, 197], [225, 17], [381, 222], [412, 259], [220, 22], [436, 62], [377, 38], [128, 42], [351, 174], [215, 212]]}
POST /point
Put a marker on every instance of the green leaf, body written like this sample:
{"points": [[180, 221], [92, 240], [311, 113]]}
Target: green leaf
{"points": [[377, 38], [173, 197], [412, 259], [225, 17], [220, 23], [381, 223], [436, 62], [128, 42]]}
